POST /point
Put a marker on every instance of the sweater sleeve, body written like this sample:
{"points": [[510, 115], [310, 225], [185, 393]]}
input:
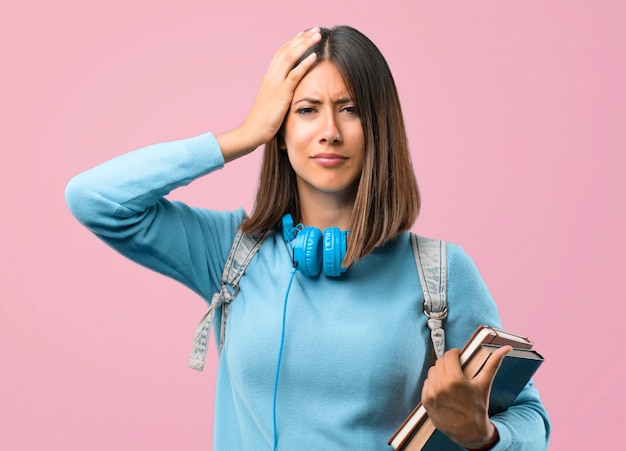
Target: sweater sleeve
{"points": [[526, 424], [122, 201]]}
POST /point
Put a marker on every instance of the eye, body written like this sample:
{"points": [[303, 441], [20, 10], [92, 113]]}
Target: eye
{"points": [[351, 109], [305, 110]]}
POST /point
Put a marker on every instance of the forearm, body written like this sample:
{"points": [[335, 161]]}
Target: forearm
{"points": [[238, 142], [122, 202], [524, 425], [106, 197]]}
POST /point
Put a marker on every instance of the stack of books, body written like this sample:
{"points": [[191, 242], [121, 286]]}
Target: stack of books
{"points": [[418, 432]]}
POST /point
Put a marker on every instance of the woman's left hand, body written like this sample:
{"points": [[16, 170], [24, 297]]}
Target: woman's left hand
{"points": [[459, 406]]}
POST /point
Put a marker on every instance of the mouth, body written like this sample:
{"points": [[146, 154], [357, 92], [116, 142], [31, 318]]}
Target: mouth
{"points": [[329, 159]]}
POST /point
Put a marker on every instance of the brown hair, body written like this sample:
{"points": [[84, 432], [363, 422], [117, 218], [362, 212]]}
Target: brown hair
{"points": [[387, 200]]}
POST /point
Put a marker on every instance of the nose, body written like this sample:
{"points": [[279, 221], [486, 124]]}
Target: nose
{"points": [[330, 132]]}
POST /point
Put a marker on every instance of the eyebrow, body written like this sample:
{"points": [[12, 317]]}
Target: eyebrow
{"points": [[314, 101]]}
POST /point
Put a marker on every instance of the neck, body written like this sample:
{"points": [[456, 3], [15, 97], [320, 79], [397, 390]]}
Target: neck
{"points": [[323, 211]]}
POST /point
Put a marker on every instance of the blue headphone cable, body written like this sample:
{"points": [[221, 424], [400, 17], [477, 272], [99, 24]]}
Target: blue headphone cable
{"points": [[280, 355]]}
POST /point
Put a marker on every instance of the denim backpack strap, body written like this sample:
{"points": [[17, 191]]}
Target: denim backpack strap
{"points": [[430, 258], [241, 252]]}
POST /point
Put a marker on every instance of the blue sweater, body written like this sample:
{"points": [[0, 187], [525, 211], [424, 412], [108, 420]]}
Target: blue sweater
{"points": [[356, 347]]}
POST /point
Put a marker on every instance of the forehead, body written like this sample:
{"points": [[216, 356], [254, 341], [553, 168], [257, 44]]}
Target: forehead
{"points": [[323, 80]]}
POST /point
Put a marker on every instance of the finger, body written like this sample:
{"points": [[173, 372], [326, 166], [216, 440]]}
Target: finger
{"points": [[310, 30], [425, 388], [452, 364], [297, 42], [445, 371], [286, 56], [428, 382], [298, 72], [297, 46], [489, 370]]}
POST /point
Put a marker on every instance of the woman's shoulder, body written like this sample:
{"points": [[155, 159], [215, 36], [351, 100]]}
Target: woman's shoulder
{"points": [[460, 265], [455, 252]]}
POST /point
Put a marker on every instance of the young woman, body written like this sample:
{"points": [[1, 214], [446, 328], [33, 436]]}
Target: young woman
{"points": [[352, 349]]}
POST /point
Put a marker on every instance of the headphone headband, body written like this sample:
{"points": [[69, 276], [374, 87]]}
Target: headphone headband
{"points": [[314, 249]]}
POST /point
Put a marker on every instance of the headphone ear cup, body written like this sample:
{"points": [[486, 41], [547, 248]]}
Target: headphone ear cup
{"points": [[307, 251], [334, 251]]}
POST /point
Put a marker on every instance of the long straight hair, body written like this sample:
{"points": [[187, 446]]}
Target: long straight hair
{"points": [[387, 199]]}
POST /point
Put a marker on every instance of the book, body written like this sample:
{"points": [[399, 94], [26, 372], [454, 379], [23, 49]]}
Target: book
{"points": [[417, 428], [516, 369]]}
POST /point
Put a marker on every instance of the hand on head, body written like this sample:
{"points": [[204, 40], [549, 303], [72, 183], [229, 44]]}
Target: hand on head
{"points": [[273, 98]]}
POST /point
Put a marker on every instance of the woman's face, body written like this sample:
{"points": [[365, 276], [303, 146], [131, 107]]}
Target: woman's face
{"points": [[324, 135]]}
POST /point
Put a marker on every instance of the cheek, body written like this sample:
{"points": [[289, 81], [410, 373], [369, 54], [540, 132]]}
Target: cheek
{"points": [[290, 132], [298, 133], [358, 142]]}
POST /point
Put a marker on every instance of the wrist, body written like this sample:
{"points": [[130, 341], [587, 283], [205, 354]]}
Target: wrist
{"points": [[492, 441], [236, 143]]}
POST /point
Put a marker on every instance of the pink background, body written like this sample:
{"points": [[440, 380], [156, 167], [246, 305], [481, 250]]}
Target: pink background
{"points": [[516, 116]]}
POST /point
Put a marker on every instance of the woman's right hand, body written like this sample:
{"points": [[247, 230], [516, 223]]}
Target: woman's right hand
{"points": [[273, 98]]}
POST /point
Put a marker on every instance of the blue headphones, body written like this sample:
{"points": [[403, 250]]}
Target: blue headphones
{"points": [[313, 249]]}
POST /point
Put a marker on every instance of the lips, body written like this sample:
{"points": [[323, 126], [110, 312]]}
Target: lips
{"points": [[329, 159]]}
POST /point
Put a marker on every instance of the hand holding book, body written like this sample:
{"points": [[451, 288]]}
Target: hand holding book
{"points": [[513, 369], [458, 405]]}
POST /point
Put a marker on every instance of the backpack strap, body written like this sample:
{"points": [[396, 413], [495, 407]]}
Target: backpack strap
{"points": [[430, 258], [241, 252]]}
